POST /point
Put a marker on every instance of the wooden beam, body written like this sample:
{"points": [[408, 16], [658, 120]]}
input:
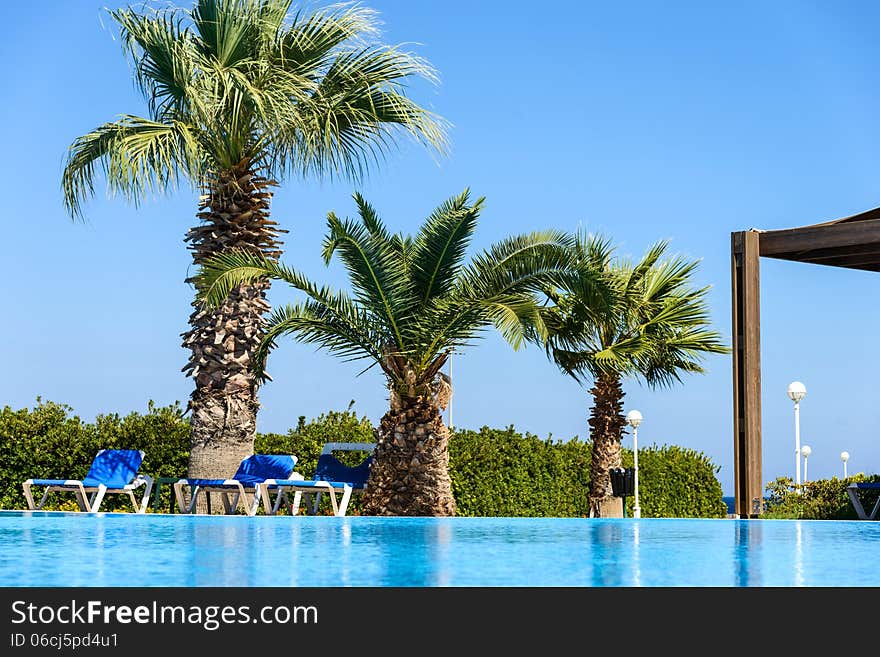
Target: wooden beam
{"points": [[746, 316], [820, 255], [809, 238]]}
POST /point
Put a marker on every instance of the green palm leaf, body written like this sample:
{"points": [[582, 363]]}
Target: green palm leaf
{"points": [[243, 81], [414, 299], [614, 317]]}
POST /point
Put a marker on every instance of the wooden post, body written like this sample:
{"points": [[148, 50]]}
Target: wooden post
{"points": [[746, 318]]}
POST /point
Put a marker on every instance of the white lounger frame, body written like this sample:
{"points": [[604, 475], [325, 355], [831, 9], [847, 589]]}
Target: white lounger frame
{"points": [[227, 488], [91, 503], [313, 492]]}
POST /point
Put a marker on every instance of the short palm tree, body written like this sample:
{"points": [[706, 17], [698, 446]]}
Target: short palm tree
{"points": [[415, 300], [644, 320], [241, 92]]}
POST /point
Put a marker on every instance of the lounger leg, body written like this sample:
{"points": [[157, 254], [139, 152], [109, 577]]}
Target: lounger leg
{"points": [[148, 487], [343, 504], [98, 498], [255, 504], [44, 498], [27, 495], [156, 498], [857, 503], [332, 495], [181, 502], [317, 502], [875, 510], [297, 501], [227, 507], [178, 494], [82, 499], [268, 508], [241, 498]]}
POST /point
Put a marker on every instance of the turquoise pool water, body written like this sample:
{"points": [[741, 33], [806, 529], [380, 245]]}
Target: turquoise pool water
{"points": [[109, 549]]}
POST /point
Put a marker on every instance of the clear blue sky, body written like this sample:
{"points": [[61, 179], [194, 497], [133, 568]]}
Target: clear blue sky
{"points": [[642, 120]]}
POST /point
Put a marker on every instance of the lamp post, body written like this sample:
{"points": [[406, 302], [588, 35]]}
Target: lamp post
{"points": [[796, 392], [844, 456], [806, 450], [634, 419]]}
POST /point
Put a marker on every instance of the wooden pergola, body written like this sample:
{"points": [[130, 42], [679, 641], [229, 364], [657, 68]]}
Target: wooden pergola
{"points": [[852, 242]]}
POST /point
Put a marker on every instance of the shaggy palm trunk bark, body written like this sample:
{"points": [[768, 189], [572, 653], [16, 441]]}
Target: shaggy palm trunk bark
{"points": [[410, 472], [606, 425], [223, 341]]}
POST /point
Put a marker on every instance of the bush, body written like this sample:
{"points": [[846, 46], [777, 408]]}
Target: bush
{"points": [[48, 443], [495, 472], [504, 473], [499, 472], [822, 499], [677, 482]]}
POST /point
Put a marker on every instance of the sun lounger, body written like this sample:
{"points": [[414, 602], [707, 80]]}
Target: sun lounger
{"points": [[853, 491], [112, 471], [331, 477], [252, 471]]}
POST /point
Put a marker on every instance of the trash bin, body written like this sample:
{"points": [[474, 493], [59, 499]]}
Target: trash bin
{"points": [[623, 482]]}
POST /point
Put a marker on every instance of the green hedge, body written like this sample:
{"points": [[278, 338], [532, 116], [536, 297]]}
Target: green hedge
{"points": [[499, 472], [49, 443], [504, 473], [822, 499], [677, 482], [495, 472]]}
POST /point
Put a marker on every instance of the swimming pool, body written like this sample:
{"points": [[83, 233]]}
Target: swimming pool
{"points": [[114, 549]]}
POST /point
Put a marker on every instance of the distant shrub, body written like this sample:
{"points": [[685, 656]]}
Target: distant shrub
{"points": [[677, 482], [499, 472], [821, 499]]}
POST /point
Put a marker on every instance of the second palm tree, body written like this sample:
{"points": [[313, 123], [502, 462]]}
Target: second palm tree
{"points": [[643, 319], [415, 301]]}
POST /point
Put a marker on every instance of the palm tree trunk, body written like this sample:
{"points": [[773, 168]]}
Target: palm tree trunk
{"points": [[606, 424], [410, 472], [223, 341]]}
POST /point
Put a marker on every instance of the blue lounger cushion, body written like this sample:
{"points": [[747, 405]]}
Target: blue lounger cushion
{"points": [[216, 482], [868, 485], [254, 470], [331, 470], [312, 484], [112, 470], [115, 468], [331, 477]]}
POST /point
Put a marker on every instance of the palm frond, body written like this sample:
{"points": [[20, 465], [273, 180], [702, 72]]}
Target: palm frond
{"points": [[307, 46], [308, 94], [351, 119], [138, 157], [227, 30], [341, 328], [522, 263], [158, 44], [654, 325], [440, 246], [377, 274]]}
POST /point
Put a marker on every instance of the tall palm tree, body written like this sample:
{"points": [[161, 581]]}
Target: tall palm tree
{"points": [[239, 93], [415, 300], [644, 319]]}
